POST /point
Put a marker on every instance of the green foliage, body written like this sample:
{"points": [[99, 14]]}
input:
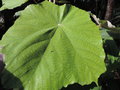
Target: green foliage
{"points": [[10, 4], [51, 46], [96, 88]]}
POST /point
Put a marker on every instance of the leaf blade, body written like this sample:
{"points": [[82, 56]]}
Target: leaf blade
{"points": [[53, 48]]}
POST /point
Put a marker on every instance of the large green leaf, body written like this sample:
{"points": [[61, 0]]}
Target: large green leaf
{"points": [[51, 46], [10, 4]]}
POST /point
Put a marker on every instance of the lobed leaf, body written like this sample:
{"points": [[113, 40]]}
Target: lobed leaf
{"points": [[51, 46]]}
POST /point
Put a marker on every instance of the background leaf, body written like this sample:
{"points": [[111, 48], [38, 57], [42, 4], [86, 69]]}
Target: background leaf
{"points": [[96, 88], [10, 4], [51, 46]]}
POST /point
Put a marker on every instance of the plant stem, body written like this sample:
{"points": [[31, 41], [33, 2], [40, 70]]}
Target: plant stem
{"points": [[109, 9]]}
